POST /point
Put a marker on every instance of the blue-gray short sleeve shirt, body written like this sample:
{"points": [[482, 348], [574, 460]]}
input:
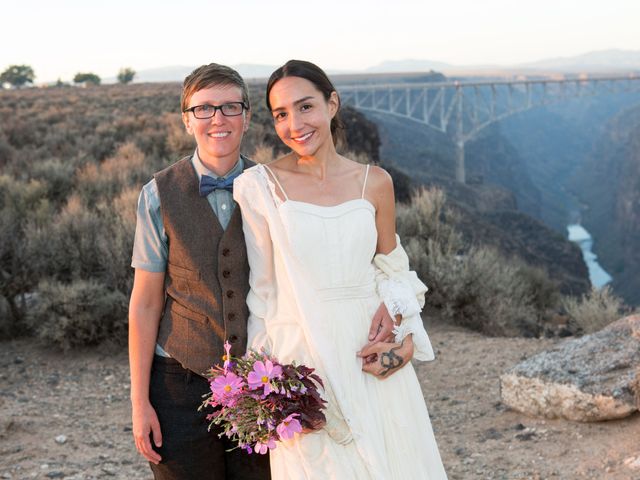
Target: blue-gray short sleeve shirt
{"points": [[150, 250]]}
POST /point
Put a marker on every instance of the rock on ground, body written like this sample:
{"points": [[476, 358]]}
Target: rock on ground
{"points": [[586, 379]]}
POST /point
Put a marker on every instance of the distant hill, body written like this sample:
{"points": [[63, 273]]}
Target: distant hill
{"points": [[252, 70], [410, 65], [176, 73], [593, 62], [600, 61], [613, 60]]}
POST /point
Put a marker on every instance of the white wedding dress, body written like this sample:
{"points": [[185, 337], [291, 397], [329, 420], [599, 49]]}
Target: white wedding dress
{"points": [[313, 294]]}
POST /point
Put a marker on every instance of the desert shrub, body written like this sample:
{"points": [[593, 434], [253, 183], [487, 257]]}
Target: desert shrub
{"points": [[118, 219], [108, 135], [7, 322], [472, 286], [479, 290], [595, 310], [427, 219], [19, 133], [262, 154], [544, 291], [493, 295], [56, 176], [73, 162], [59, 143], [82, 242], [178, 142], [21, 203], [7, 152], [127, 167], [260, 134], [151, 138], [65, 247], [83, 312]]}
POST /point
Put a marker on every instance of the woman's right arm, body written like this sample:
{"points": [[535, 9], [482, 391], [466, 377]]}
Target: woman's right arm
{"points": [[145, 310]]}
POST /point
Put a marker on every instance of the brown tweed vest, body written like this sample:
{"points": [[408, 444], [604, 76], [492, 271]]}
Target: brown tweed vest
{"points": [[207, 278]]}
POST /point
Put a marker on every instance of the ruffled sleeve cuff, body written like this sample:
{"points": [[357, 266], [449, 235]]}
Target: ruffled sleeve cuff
{"points": [[402, 292], [398, 297], [422, 349], [399, 287]]}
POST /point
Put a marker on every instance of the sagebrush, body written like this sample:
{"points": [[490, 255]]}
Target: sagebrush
{"points": [[471, 285], [595, 310]]}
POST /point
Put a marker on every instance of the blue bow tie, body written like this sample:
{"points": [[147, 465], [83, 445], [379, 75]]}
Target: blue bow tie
{"points": [[209, 184]]}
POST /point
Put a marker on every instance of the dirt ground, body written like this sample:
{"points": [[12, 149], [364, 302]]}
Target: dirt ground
{"points": [[68, 416]]}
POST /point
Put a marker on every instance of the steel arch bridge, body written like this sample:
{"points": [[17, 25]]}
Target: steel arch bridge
{"points": [[463, 109]]}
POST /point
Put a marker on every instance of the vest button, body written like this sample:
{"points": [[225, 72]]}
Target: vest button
{"points": [[226, 273], [231, 317], [225, 252], [230, 294], [233, 339]]}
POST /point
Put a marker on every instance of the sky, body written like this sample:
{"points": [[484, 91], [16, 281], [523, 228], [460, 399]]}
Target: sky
{"points": [[62, 37]]}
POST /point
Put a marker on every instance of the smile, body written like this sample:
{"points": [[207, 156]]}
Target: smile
{"points": [[219, 134], [302, 138]]}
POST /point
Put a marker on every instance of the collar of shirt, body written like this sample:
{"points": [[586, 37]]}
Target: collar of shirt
{"points": [[202, 170]]}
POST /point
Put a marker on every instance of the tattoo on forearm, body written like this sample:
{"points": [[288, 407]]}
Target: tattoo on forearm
{"points": [[390, 360]]}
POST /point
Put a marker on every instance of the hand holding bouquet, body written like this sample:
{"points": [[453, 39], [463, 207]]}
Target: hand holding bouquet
{"points": [[258, 401]]}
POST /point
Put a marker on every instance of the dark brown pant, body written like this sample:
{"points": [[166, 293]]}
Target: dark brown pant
{"points": [[189, 451]]}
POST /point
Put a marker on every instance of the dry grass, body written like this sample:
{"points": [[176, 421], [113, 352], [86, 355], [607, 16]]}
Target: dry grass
{"points": [[595, 310]]}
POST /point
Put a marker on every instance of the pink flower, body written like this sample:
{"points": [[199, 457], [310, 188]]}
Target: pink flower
{"points": [[262, 374], [225, 386], [263, 448], [288, 427], [227, 356]]}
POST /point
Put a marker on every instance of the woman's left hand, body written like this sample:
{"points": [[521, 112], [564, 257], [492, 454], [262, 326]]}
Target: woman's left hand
{"points": [[383, 359]]}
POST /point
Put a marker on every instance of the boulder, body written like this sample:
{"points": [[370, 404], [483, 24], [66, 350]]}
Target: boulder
{"points": [[586, 379]]}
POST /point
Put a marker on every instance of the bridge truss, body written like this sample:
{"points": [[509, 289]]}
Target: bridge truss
{"points": [[463, 109]]}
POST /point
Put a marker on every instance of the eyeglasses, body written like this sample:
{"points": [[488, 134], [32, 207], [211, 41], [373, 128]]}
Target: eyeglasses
{"points": [[231, 109]]}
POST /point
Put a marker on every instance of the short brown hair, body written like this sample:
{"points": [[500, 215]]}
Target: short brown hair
{"points": [[211, 75]]}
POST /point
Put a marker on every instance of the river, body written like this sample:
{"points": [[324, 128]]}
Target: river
{"points": [[597, 275]]}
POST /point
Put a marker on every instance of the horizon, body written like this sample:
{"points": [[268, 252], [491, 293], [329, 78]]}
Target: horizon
{"points": [[72, 36]]}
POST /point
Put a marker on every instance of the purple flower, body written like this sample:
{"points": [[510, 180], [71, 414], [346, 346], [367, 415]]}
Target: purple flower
{"points": [[225, 386], [262, 374], [263, 448], [288, 427]]}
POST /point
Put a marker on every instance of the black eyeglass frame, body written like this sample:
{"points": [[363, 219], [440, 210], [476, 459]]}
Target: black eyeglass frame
{"points": [[216, 108]]}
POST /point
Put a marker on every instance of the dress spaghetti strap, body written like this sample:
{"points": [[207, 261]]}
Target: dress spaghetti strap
{"points": [[364, 185], [275, 178]]}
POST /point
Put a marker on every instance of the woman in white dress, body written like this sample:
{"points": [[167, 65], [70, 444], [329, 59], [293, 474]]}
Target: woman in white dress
{"points": [[323, 253]]}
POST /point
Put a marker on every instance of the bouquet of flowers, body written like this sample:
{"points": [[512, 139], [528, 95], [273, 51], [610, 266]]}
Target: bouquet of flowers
{"points": [[258, 401]]}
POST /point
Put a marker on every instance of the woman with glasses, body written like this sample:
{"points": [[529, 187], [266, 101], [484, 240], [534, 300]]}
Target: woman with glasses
{"points": [[323, 253], [190, 283]]}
